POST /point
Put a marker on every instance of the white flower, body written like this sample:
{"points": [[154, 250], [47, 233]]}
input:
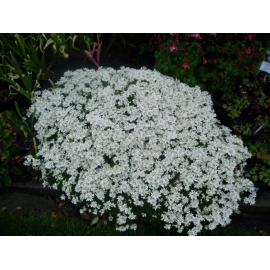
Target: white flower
{"points": [[130, 140]]}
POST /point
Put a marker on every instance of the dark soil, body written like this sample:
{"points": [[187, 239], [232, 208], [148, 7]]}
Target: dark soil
{"points": [[251, 222], [25, 144]]}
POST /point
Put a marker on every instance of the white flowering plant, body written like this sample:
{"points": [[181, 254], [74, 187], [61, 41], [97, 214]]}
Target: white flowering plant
{"points": [[135, 144]]}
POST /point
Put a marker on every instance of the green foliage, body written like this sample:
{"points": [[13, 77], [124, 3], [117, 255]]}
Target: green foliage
{"points": [[144, 48], [61, 44], [114, 41], [261, 170], [53, 225], [24, 128], [25, 58], [218, 62], [8, 152], [27, 52], [235, 106], [260, 149], [23, 62]]}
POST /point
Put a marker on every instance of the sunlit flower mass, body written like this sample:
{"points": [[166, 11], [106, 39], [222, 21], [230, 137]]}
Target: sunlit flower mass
{"points": [[135, 144]]}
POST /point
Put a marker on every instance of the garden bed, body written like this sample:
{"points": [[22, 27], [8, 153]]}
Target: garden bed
{"points": [[24, 187]]}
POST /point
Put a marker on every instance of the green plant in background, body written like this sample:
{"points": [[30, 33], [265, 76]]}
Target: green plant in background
{"points": [[245, 129], [259, 149], [212, 61], [28, 51], [22, 127], [28, 129], [144, 48], [116, 39], [23, 64], [25, 86], [61, 44], [263, 110], [261, 170], [235, 107], [254, 99], [8, 152]]}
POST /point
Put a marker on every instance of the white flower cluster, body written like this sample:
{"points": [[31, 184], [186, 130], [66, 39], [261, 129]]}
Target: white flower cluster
{"points": [[138, 144]]}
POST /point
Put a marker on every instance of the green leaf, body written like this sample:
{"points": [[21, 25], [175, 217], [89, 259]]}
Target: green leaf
{"points": [[15, 170], [2, 123], [5, 133], [6, 154], [261, 177], [6, 180], [2, 170], [49, 41]]}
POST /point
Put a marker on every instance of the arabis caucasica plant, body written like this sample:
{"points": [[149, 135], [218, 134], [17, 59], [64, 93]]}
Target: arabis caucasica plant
{"points": [[135, 144]]}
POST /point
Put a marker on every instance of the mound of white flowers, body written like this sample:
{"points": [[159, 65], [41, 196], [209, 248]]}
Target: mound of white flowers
{"points": [[135, 144]]}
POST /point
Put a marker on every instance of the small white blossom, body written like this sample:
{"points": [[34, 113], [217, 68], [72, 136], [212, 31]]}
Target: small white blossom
{"points": [[130, 140]]}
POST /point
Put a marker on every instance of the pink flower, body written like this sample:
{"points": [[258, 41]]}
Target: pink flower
{"points": [[214, 35], [215, 61], [173, 47], [242, 57], [176, 39], [236, 65], [217, 78], [204, 61], [223, 49], [185, 65], [196, 36], [159, 35], [248, 51], [161, 47], [250, 36]]}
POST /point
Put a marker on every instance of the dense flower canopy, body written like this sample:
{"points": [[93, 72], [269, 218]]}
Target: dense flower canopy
{"points": [[138, 144]]}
